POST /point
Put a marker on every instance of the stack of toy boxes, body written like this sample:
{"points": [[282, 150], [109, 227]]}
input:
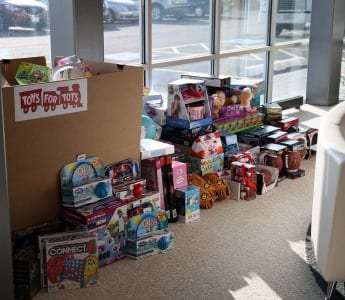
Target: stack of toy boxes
{"points": [[108, 217], [187, 196]]}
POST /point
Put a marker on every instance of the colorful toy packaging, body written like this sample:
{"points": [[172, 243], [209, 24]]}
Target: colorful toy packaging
{"points": [[188, 105], [148, 234], [256, 86], [72, 263], [29, 73], [246, 175], [207, 145], [107, 219], [188, 203], [84, 182], [212, 164]]}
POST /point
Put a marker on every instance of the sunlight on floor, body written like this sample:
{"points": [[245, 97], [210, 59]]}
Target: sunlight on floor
{"points": [[255, 289], [298, 248]]}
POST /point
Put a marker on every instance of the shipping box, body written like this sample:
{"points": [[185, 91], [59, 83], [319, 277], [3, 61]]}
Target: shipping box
{"points": [[42, 138]]}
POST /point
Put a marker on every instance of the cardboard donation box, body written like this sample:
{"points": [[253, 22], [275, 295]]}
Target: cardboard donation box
{"points": [[47, 124]]}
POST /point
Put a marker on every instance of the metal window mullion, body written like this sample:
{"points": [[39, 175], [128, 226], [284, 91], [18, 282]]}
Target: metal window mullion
{"points": [[215, 19], [6, 287], [146, 40], [270, 54]]}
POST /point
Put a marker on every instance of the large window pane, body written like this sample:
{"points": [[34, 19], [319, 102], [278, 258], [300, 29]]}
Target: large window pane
{"points": [[290, 73], [24, 29], [241, 26], [342, 75], [180, 29], [162, 76], [293, 19], [122, 32]]}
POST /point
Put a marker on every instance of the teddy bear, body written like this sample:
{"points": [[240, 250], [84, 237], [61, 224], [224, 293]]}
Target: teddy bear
{"points": [[245, 97], [218, 103]]}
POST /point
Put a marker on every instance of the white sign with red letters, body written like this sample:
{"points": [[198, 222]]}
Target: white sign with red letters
{"points": [[50, 99]]}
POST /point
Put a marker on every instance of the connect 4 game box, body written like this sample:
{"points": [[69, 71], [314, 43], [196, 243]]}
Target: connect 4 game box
{"points": [[72, 263]]}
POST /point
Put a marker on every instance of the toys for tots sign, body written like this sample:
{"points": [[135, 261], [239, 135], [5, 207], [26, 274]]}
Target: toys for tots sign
{"points": [[50, 99]]}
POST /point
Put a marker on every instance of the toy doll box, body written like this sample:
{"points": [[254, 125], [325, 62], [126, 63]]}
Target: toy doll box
{"points": [[256, 86], [72, 263], [84, 182], [188, 104], [188, 203]]}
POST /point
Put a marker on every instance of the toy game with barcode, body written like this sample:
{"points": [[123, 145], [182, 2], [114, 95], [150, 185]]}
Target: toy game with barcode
{"points": [[72, 264]]}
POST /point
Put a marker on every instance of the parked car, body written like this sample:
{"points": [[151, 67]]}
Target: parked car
{"points": [[200, 8], [25, 13], [174, 8], [120, 10]]}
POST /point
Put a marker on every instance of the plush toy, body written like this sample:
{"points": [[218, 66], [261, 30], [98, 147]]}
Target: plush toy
{"points": [[245, 97], [218, 103]]}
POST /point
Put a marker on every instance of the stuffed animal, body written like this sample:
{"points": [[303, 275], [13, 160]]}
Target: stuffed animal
{"points": [[218, 103], [245, 97]]}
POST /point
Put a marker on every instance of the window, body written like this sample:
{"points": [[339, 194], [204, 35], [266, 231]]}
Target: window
{"points": [[24, 29]]}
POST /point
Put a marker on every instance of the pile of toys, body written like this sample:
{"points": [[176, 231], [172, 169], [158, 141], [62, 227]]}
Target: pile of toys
{"points": [[107, 213], [220, 127]]}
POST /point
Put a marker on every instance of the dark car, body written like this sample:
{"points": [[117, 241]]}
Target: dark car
{"points": [[200, 8], [166, 8], [24, 13], [120, 10]]}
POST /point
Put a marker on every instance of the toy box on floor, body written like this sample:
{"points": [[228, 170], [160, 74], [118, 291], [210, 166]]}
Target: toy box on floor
{"points": [[246, 175], [148, 234], [267, 178], [188, 203], [188, 105], [26, 275], [72, 263]]}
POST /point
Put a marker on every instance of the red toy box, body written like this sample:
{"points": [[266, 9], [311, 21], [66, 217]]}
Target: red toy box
{"points": [[246, 175]]}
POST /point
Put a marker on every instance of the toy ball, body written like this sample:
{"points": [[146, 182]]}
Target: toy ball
{"points": [[292, 161], [163, 243], [149, 125], [138, 190], [271, 159], [267, 176], [101, 190]]}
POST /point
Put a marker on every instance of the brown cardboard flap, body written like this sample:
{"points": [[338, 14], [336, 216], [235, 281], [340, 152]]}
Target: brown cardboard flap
{"points": [[9, 67], [36, 150]]}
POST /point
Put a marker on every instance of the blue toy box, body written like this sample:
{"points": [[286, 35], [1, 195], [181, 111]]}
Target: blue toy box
{"points": [[210, 164], [156, 242], [84, 182], [188, 203]]}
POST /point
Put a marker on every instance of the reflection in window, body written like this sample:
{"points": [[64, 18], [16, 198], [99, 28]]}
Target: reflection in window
{"points": [[290, 73], [241, 25], [122, 32], [24, 30], [180, 30]]}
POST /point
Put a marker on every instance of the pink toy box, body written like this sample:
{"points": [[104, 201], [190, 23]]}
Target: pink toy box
{"points": [[188, 203], [179, 173], [188, 104]]}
